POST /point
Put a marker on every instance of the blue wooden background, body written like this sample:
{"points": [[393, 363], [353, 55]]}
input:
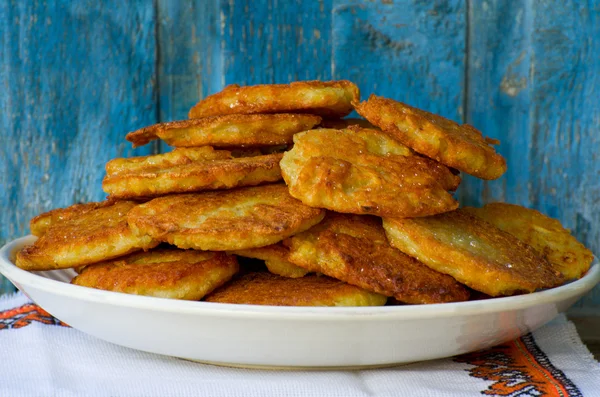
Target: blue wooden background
{"points": [[76, 76]]}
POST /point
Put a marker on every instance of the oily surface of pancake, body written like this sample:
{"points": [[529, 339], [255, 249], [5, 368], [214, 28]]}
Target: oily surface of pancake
{"points": [[354, 249], [39, 224], [364, 171], [276, 260], [459, 146], [226, 131], [323, 98], [164, 273], [474, 252], [270, 289], [91, 237], [546, 235], [187, 170], [225, 220]]}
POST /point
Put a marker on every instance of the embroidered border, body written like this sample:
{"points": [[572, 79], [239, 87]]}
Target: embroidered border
{"points": [[26, 314], [519, 369]]}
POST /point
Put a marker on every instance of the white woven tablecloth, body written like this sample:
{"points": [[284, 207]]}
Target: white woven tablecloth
{"points": [[41, 357]]}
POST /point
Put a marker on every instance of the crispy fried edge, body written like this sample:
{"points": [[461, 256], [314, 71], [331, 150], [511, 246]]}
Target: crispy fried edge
{"points": [[222, 268], [40, 223], [506, 208], [334, 261], [195, 177], [215, 241], [274, 290], [213, 105], [292, 160], [453, 262], [430, 137], [34, 257], [160, 131]]}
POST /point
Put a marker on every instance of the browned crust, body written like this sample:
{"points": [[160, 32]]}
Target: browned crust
{"points": [[354, 249], [193, 176], [270, 289], [546, 235], [459, 146], [90, 237], [225, 220], [39, 224], [364, 171], [329, 99], [474, 252], [227, 130], [166, 273]]}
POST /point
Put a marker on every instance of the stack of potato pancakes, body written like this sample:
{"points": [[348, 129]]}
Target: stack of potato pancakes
{"points": [[343, 212]]}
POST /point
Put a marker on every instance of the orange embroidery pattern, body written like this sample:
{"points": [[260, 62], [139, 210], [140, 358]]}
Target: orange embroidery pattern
{"points": [[24, 315], [519, 368]]}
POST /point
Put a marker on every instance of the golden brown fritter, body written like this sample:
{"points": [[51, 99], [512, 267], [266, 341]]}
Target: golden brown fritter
{"points": [[354, 249], [329, 99], [224, 220], [91, 237], [179, 156], [276, 260], [546, 235], [459, 146], [474, 252], [363, 171], [228, 130], [270, 289], [340, 124], [187, 170], [163, 273], [39, 224]]}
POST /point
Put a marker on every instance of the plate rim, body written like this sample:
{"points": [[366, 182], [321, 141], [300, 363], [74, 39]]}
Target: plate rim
{"points": [[370, 313]]}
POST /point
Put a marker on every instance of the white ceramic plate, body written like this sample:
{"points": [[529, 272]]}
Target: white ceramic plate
{"points": [[269, 336]]}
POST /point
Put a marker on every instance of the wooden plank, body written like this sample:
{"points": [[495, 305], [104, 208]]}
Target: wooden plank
{"points": [[270, 41], [566, 44], [499, 95], [406, 50], [533, 84], [189, 55], [75, 78]]}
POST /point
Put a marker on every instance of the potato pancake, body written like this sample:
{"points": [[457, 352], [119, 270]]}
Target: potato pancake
{"points": [[474, 252], [227, 131], [546, 235], [163, 273], [39, 224], [364, 171], [187, 170], [270, 289], [458, 146], [354, 249], [329, 99], [91, 237], [224, 220], [276, 260]]}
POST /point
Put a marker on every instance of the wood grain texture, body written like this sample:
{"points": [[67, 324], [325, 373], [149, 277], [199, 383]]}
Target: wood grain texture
{"points": [[75, 78], [412, 51], [275, 41], [533, 83], [189, 55]]}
